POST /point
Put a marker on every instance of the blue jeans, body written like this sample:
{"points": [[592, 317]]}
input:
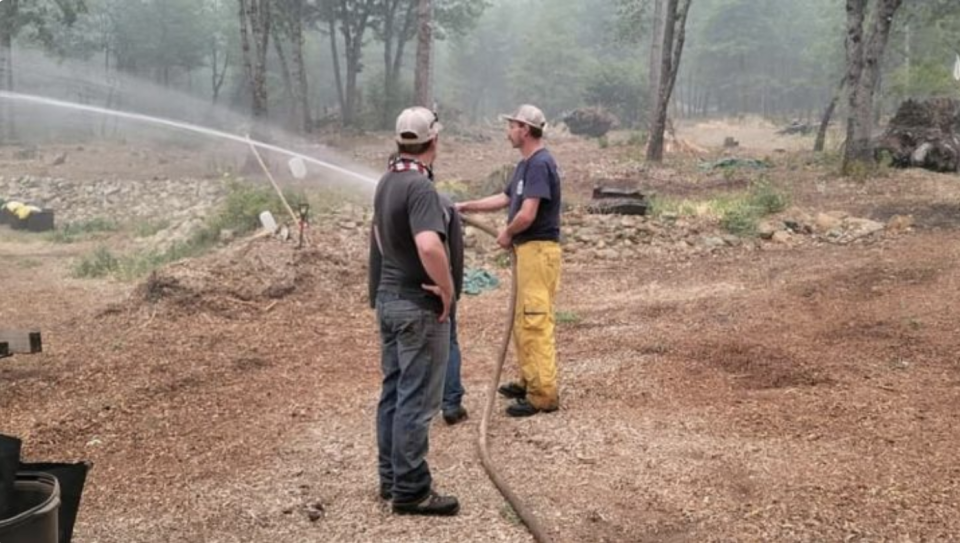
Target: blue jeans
{"points": [[413, 358], [452, 386]]}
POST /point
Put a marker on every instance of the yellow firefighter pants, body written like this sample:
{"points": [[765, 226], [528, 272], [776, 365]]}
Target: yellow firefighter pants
{"points": [[538, 276]]}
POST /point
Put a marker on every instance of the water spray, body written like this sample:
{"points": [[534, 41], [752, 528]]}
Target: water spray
{"points": [[183, 126]]}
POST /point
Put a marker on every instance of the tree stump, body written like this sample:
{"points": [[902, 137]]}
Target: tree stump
{"points": [[924, 134]]}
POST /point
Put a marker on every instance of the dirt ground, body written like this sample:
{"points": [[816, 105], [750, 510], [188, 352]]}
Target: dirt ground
{"points": [[759, 392]]}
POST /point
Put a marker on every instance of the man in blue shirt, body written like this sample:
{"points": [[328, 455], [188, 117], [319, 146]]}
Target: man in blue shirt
{"points": [[533, 200]]}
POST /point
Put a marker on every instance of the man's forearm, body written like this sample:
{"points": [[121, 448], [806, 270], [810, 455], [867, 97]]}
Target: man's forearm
{"points": [[435, 262], [483, 205], [518, 225]]}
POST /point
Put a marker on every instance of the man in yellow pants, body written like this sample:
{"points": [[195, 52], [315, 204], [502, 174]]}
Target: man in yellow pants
{"points": [[533, 231]]}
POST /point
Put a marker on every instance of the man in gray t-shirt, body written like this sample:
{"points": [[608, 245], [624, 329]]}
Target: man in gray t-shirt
{"points": [[413, 288]]}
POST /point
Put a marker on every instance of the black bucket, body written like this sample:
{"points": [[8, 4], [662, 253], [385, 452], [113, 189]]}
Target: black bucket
{"points": [[9, 464], [36, 503], [71, 478]]}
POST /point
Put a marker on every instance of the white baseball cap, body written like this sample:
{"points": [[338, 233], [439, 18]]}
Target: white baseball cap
{"points": [[529, 115], [417, 125]]}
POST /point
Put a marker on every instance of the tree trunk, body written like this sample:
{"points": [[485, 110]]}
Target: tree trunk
{"points": [[864, 59], [656, 59], [9, 14], [353, 18], [827, 114], [674, 35], [255, 40], [338, 78], [218, 70], [351, 115], [389, 31], [289, 97], [423, 89], [395, 37], [304, 122]]}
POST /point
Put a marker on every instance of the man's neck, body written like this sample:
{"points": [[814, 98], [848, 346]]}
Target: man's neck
{"points": [[529, 147], [425, 159]]}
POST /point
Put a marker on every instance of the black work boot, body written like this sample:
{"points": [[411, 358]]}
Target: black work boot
{"points": [[523, 408], [453, 416], [513, 391], [385, 492], [433, 504]]}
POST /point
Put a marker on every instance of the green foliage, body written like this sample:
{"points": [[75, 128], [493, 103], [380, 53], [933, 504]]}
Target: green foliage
{"points": [[567, 317], [29, 263], [923, 80], [244, 203], [742, 214], [740, 220], [535, 78], [145, 229], [738, 213], [239, 213], [618, 88], [160, 36], [637, 139], [765, 55], [603, 142], [508, 514], [100, 263], [765, 197], [75, 231], [140, 264], [41, 18]]}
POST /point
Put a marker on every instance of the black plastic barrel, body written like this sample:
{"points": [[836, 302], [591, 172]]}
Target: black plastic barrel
{"points": [[9, 464], [36, 505], [71, 478]]}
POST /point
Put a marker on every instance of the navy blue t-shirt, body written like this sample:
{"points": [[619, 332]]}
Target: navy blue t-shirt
{"points": [[536, 177]]}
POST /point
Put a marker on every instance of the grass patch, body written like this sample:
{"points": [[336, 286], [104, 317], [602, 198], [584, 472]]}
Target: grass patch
{"points": [[240, 213], [738, 213], [100, 263], [75, 231], [509, 515], [567, 317], [637, 139], [29, 263], [146, 228], [761, 199]]}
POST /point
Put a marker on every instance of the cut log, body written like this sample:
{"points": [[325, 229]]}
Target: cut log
{"points": [[19, 341]]}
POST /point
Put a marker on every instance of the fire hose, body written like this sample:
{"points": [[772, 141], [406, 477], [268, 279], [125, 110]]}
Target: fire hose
{"points": [[526, 515]]}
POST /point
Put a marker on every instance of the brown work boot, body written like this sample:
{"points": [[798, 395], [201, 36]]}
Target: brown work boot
{"points": [[433, 504]]}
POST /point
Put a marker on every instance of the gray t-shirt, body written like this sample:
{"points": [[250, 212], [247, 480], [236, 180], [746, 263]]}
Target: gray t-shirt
{"points": [[406, 204]]}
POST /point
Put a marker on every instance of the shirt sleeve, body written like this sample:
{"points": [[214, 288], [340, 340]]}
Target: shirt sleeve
{"points": [[536, 182], [425, 211]]}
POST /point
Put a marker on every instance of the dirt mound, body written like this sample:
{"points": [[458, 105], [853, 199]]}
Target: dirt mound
{"points": [[252, 275]]}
